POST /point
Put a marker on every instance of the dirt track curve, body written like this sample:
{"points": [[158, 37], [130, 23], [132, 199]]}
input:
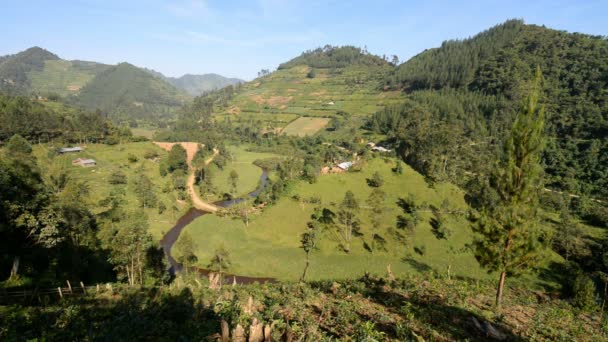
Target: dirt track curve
{"points": [[191, 148]]}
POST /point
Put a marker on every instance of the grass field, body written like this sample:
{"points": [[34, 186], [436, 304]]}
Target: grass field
{"points": [[305, 126], [143, 132], [270, 245], [242, 163], [113, 158]]}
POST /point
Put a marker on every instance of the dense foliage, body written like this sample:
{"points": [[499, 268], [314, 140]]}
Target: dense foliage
{"points": [[127, 93], [39, 122], [334, 57], [14, 69], [474, 86]]}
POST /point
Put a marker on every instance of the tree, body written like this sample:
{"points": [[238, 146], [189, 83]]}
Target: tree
{"points": [[220, 261], [376, 203], [569, 235], [376, 181], [348, 223], [312, 73], [308, 241], [144, 189], [18, 145], [508, 239], [233, 178], [398, 169], [185, 248], [177, 159]]}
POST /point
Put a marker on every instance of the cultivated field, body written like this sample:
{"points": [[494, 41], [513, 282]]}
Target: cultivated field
{"points": [[305, 126]]}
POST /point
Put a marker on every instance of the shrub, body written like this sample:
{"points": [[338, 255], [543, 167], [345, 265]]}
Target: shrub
{"points": [[117, 177], [584, 293], [132, 158]]}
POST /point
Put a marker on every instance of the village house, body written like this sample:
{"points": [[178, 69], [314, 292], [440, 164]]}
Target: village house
{"points": [[84, 162], [345, 165], [70, 149], [380, 149]]}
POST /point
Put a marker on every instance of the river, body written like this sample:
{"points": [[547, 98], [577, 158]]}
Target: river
{"points": [[173, 234]]}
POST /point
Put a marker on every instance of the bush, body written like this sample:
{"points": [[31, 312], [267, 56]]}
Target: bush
{"points": [[150, 154], [584, 293], [132, 158], [117, 177]]}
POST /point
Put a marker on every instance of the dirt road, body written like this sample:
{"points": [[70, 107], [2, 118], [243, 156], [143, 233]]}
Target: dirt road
{"points": [[191, 148]]}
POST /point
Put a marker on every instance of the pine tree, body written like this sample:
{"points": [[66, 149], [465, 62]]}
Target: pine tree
{"points": [[508, 238], [348, 222]]}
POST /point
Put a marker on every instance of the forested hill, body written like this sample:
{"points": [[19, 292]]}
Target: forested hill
{"points": [[472, 87], [14, 69], [129, 93], [334, 57]]}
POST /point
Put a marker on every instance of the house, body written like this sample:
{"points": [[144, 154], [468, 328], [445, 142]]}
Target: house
{"points": [[84, 162], [70, 149], [371, 144], [380, 149], [345, 165]]}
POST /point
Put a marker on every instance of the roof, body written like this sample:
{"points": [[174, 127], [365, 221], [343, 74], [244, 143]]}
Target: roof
{"points": [[345, 165], [70, 149], [381, 149], [88, 161]]}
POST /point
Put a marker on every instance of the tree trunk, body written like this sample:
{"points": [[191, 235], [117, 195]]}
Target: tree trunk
{"points": [[15, 268], [305, 267], [499, 289]]}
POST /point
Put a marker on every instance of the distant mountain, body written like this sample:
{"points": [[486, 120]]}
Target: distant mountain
{"points": [[127, 92], [122, 92], [197, 84]]}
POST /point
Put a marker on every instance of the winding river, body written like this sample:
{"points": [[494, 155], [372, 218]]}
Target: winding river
{"points": [[173, 234]]}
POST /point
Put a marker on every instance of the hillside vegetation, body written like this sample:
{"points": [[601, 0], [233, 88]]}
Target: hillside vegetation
{"points": [[129, 93], [471, 89]]}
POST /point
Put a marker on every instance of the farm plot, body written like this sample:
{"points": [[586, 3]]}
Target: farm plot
{"points": [[305, 126]]}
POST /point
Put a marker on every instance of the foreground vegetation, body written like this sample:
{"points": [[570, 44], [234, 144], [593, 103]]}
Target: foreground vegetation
{"points": [[367, 309]]}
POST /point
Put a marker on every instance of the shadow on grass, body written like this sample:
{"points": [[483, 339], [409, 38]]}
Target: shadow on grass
{"points": [[429, 313], [417, 265], [137, 316]]}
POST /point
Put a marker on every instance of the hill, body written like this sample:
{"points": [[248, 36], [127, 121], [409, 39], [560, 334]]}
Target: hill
{"points": [[470, 90], [14, 69], [126, 92], [340, 83], [198, 84]]}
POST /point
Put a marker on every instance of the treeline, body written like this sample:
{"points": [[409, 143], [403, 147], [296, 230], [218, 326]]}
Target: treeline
{"points": [[474, 86], [38, 122], [334, 57]]}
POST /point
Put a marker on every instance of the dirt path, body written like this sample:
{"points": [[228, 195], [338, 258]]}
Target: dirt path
{"points": [[191, 148]]}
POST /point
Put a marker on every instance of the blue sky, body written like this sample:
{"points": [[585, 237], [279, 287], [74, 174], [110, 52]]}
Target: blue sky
{"points": [[238, 38]]}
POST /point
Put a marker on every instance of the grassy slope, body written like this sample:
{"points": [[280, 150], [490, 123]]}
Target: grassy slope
{"points": [[270, 245], [110, 159], [58, 75], [249, 174], [353, 89]]}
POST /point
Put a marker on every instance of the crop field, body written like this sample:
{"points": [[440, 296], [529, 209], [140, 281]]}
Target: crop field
{"points": [[305, 126], [354, 90]]}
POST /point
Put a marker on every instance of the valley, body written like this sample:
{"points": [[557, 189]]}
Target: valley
{"points": [[458, 195]]}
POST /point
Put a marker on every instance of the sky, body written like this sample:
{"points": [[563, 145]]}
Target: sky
{"points": [[239, 38]]}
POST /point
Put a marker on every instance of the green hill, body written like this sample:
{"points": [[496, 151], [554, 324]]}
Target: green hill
{"points": [[471, 89], [14, 69], [63, 77], [329, 82], [127, 92]]}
